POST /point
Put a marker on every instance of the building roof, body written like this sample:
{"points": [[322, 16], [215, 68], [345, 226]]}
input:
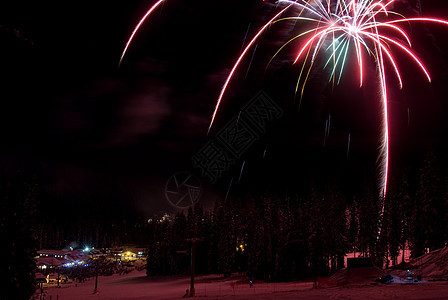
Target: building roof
{"points": [[53, 252], [51, 261]]}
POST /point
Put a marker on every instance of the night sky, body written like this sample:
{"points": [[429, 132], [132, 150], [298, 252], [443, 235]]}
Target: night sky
{"points": [[99, 135]]}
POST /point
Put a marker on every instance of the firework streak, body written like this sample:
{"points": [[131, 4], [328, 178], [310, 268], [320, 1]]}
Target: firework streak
{"points": [[366, 27]]}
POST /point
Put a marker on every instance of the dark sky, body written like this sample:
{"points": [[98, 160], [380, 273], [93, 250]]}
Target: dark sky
{"points": [[96, 133]]}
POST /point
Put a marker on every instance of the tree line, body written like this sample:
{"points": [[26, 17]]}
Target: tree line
{"points": [[282, 236]]}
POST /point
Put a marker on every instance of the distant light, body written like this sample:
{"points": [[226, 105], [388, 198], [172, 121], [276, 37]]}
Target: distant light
{"points": [[87, 249]]}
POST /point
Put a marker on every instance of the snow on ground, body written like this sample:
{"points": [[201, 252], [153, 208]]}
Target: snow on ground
{"points": [[431, 266], [137, 286], [353, 276]]}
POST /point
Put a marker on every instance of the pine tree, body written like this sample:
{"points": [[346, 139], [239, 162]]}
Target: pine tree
{"points": [[178, 238], [268, 224], [368, 215], [336, 235], [429, 208], [227, 240], [283, 266], [398, 214], [318, 248], [19, 229], [255, 241], [353, 226], [406, 212]]}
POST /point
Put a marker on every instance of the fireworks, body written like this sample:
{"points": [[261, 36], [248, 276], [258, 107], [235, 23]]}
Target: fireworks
{"points": [[368, 27], [339, 28], [136, 29]]}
